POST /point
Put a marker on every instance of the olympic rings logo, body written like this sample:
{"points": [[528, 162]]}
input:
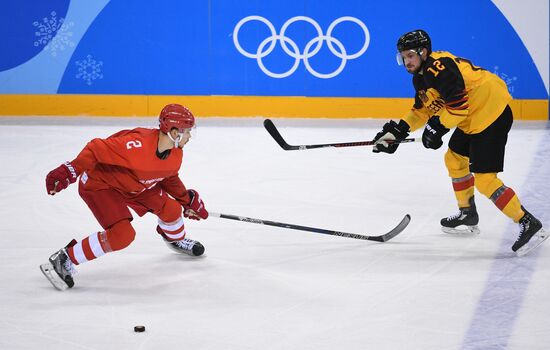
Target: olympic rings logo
{"points": [[310, 50]]}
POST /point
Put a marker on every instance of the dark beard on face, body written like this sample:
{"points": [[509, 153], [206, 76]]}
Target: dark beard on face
{"points": [[418, 70]]}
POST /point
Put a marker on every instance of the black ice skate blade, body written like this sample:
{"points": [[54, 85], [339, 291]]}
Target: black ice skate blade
{"points": [[52, 276], [537, 239]]}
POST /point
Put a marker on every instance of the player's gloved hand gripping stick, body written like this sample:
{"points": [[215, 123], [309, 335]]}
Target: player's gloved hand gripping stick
{"points": [[272, 130]]}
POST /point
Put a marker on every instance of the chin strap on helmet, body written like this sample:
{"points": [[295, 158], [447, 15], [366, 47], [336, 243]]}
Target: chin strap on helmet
{"points": [[177, 140], [422, 60]]}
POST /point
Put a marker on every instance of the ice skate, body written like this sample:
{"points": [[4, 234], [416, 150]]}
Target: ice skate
{"points": [[184, 246], [531, 234], [60, 270], [463, 222]]}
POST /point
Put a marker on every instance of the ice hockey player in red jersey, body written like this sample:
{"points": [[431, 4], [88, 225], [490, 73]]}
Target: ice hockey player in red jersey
{"points": [[451, 92], [135, 169]]}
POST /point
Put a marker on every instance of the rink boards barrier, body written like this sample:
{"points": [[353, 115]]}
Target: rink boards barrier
{"points": [[255, 58], [230, 106]]}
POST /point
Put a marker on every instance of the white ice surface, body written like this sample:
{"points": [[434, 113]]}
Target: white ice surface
{"points": [[261, 287]]}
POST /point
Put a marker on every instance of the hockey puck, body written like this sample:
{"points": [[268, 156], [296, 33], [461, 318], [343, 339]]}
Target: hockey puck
{"points": [[139, 329]]}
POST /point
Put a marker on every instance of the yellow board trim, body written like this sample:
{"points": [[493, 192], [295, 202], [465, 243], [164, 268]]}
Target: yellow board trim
{"points": [[230, 106]]}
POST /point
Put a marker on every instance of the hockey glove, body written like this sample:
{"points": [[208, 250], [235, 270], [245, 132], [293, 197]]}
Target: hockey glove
{"points": [[195, 210], [390, 132], [59, 178], [433, 132]]}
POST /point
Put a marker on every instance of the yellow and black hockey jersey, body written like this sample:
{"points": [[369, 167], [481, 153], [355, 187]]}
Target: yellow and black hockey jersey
{"points": [[460, 93]]}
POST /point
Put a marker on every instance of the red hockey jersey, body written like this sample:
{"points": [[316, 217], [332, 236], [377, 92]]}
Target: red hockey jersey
{"points": [[127, 162]]}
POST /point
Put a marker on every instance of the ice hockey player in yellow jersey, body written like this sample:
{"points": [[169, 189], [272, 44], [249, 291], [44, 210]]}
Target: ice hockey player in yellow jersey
{"points": [[451, 92]]}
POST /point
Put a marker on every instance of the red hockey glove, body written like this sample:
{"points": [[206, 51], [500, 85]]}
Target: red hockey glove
{"points": [[59, 178], [195, 210]]}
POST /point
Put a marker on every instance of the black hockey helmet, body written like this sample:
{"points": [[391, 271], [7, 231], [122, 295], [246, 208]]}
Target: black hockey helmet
{"points": [[413, 40]]}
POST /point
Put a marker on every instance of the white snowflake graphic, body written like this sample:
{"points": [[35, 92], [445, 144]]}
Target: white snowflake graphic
{"points": [[89, 70], [62, 40], [507, 79], [53, 33]]}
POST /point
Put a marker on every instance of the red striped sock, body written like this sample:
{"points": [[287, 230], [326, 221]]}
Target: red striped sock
{"points": [[88, 249]]}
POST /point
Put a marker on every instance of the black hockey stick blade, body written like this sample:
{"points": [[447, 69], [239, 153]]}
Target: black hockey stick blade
{"points": [[382, 238], [272, 130], [395, 231]]}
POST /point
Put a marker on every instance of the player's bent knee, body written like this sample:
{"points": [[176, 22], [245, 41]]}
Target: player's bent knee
{"points": [[171, 211], [121, 235], [456, 164]]}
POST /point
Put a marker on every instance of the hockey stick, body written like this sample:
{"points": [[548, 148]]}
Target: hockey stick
{"points": [[272, 130], [382, 238]]}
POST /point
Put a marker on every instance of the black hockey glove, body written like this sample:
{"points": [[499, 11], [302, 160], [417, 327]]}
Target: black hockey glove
{"points": [[433, 132], [390, 132]]}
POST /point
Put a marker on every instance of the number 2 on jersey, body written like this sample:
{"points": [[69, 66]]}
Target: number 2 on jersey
{"points": [[133, 144]]}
